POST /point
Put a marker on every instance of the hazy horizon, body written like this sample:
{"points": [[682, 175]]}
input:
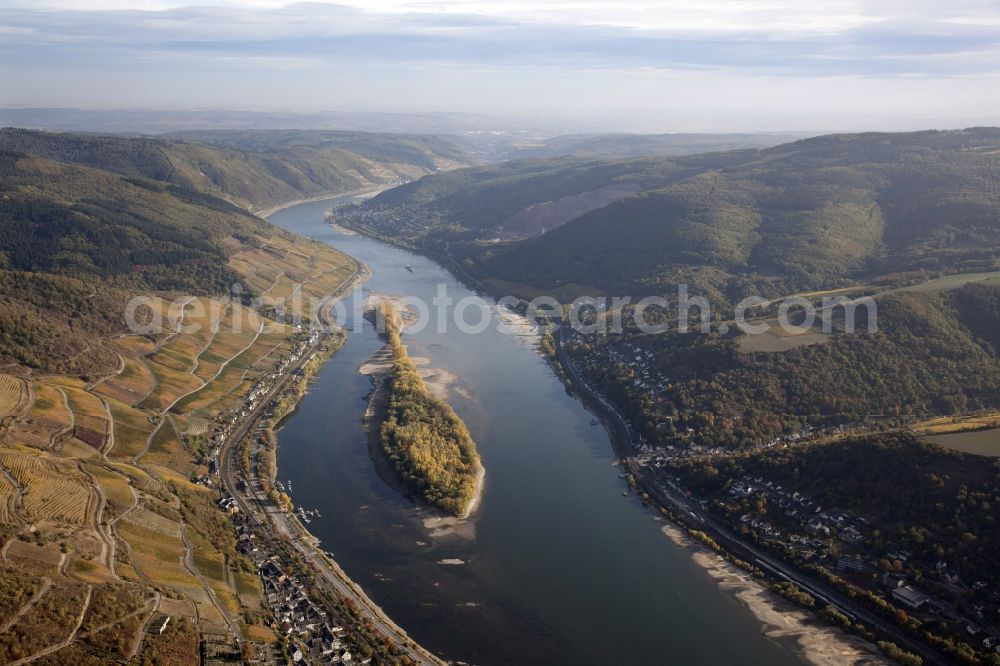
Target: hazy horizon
{"points": [[639, 66]]}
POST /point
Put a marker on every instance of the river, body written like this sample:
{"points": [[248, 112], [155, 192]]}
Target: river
{"points": [[557, 566]]}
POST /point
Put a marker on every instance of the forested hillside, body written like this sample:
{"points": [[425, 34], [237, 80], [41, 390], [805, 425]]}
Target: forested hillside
{"points": [[109, 436], [77, 241], [920, 496], [814, 213], [932, 354], [251, 169], [116, 217]]}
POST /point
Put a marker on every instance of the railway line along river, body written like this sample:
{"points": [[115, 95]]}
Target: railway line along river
{"points": [[555, 566]]}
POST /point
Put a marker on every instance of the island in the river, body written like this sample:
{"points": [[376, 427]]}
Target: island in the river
{"points": [[427, 444]]}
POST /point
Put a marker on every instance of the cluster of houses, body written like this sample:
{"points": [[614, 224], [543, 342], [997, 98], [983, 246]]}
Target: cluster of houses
{"points": [[312, 635], [796, 523], [597, 352], [225, 425], [646, 378], [382, 219], [812, 533]]}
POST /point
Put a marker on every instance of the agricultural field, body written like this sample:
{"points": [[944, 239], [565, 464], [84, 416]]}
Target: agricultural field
{"points": [[90, 417], [52, 491], [315, 268], [948, 283], [100, 468], [132, 429], [159, 558], [248, 588], [34, 557], [10, 495], [985, 442], [950, 424], [166, 448], [116, 488], [776, 339], [131, 385], [46, 420], [13, 395], [211, 564], [171, 385], [135, 345]]}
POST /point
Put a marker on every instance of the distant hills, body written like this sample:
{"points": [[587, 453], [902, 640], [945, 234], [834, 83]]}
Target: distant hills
{"points": [[818, 212], [252, 169], [87, 220], [622, 146]]}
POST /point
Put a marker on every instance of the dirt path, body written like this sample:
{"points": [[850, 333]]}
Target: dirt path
{"points": [[147, 607], [46, 586], [215, 334], [189, 565], [166, 410], [109, 443], [114, 521], [107, 539], [54, 437], [121, 368], [137, 641], [69, 639]]}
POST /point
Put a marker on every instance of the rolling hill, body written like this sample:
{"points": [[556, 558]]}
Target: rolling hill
{"points": [[251, 169], [819, 212], [109, 520], [87, 221], [623, 146]]}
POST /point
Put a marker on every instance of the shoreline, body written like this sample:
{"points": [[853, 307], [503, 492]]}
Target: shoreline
{"points": [[268, 212], [818, 643], [309, 544], [376, 368]]}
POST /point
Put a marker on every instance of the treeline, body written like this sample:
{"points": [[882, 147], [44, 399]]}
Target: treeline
{"points": [[427, 443]]}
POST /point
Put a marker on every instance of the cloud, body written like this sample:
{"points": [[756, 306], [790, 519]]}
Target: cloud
{"points": [[814, 42], [442, 49]]}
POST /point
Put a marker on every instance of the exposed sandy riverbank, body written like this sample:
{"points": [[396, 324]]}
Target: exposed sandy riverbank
{"points": [[819, 644], [267, 212]]}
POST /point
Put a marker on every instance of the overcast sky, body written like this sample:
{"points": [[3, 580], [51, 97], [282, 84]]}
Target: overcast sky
{"points": [[665, 65]]}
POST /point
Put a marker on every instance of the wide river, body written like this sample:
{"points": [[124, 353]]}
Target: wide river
{"points": [[557, 566]]}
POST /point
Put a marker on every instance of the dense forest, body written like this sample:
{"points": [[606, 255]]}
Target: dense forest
{"points": [[933, 354], [77, 242], [426, 442]]}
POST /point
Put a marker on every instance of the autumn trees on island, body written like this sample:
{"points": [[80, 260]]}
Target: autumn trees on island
{"points": [[426, 442]]}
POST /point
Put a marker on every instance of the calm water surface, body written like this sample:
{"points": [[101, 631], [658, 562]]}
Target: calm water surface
{"points": [[559, 567]]}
